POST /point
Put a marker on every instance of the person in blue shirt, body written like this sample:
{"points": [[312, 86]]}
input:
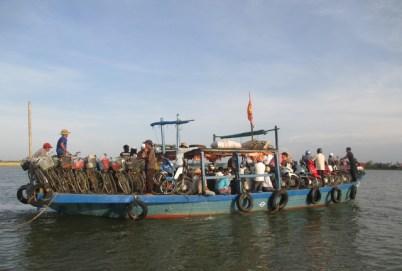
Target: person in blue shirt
{"points": [[222, 185], [61, 148]]}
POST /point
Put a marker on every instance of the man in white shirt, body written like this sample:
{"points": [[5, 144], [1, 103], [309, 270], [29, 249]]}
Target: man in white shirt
{"points": [[320, 162], [44, 151], [259, 180]]}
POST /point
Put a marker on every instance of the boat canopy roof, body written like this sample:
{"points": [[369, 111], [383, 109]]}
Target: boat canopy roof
{"points": [[169, 122], [246, 134], [216, 154]]}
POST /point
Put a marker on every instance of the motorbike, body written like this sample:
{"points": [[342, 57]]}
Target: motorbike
{"points": [[173, 180]]}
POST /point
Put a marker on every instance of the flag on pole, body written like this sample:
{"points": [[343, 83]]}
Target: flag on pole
{"points": [[250, 116]]}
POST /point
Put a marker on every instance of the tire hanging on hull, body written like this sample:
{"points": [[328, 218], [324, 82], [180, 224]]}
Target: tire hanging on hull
{"points": [[137, 203], [41, 195], [314, 196], [336, 195], [24, 193], [278, 200], [244, 202]]}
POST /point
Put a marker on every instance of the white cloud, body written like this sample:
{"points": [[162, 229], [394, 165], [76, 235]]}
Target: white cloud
{"points": [[24, 79]]}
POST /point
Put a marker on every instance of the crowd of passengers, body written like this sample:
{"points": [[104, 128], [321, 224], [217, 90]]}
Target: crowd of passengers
{"points": [[317, 165]]}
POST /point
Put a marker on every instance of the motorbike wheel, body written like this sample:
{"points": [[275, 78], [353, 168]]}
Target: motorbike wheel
{"points": [[285, 182], [158, 178], [167, 187], [184, 186], [294, 182]]}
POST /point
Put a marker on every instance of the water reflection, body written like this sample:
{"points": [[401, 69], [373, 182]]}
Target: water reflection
{"points": [[365, 235], [301, 240]]}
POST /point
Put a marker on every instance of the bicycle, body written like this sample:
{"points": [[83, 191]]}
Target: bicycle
{"points": [[108, 185], [121, 179], [134, 171], [92, 174], [81, 179]]}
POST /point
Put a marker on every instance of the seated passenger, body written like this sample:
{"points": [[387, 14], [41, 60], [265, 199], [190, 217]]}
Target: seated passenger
{"points": [[222, 185], [197, 181]]}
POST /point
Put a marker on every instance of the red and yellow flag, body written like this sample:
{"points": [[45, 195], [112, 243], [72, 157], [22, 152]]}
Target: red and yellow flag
{"points": [[250, 116]]}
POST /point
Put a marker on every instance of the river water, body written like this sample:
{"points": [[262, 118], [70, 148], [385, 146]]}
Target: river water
{"points": [[362, 235]]}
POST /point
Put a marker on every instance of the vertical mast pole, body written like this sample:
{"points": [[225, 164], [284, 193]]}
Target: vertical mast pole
{"points": [[277, 165], [252, 129], [163, 137], [203, 177], [177, 132], [29, 131]]}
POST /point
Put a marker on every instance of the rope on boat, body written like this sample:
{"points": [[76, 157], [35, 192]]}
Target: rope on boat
{"points": [[39, 214]]}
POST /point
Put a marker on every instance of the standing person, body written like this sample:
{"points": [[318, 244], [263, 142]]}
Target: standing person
{"points": [[126, 152], [306, 157], [150, 165], [320, 163], [44, 151], [332, 162], [133, 153], [352, 163], [179, 162], [259, 180], [61, 148]]}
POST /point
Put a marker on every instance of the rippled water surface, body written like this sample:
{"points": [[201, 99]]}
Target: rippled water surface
{"points": [[362, 235]]}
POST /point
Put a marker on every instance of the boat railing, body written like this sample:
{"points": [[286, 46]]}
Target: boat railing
{"points": [[241, 176]]}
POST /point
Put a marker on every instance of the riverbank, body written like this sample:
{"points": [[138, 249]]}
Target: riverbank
{"points": [[9, 163]]}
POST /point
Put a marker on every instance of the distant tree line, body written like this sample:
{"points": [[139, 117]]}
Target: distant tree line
{"points": [[10, 161], [382, 165]]}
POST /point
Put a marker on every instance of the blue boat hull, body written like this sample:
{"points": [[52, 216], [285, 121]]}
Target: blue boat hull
{"points": [[180, 206]]}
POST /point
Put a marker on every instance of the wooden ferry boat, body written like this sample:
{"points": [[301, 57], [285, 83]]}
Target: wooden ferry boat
{"points": [[160, 206]]}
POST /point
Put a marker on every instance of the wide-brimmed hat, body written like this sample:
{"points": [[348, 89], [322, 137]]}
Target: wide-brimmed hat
{"points": [[65, 132], [184, 145], [148, 141]]}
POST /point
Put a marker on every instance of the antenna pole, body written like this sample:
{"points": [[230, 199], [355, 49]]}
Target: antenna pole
{"points": [[29, 131]]}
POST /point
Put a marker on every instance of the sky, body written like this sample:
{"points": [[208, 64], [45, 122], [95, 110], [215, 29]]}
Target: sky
{"points": [[327, 73]]}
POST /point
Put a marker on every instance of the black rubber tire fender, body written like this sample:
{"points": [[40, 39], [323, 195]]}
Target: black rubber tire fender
{"points": [[274, 205], [245, 198], [314, 195], [21, 196], [136, 217], [336, 194], [47, 195], [353, 192]]}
